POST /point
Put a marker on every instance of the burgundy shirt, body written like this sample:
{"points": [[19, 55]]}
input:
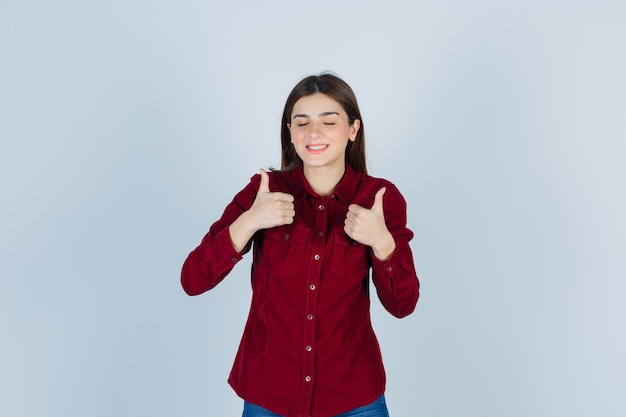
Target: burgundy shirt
{"points": [[308, 348]]}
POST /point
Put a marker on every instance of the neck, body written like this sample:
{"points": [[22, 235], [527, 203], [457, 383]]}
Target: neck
{"points": [[323, 180]]}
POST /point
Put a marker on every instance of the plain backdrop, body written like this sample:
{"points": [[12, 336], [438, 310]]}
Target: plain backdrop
{"points": [[127, 126]]}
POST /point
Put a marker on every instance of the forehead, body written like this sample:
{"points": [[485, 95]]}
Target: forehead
{"points": [[316, 104]]}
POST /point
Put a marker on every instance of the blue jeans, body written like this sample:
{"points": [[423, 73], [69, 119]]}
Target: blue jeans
{"points": [[376, 409]]}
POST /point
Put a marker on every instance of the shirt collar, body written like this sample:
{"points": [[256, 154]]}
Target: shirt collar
{"points": [[345, 190]]}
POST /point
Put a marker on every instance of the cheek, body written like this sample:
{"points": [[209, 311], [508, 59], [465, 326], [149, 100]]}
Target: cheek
{"points": [[297, 137], [341, 134]]}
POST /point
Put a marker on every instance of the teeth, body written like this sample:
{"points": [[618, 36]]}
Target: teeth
{"points": [[317, 147]]}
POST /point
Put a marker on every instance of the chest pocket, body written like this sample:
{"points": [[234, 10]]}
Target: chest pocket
{"points": [[283, 248], [350, 259]]}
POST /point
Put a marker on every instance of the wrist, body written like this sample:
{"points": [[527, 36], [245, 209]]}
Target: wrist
{"points": [[241, 231], [384, 248]]}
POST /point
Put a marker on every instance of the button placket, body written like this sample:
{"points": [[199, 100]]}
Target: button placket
{"points": [[312, 283]]}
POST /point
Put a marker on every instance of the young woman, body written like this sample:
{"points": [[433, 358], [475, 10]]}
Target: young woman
{"points": [[316, 228]]}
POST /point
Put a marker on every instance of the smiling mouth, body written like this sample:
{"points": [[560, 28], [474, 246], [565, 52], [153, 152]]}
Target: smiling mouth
{"points": [[317, 147]]}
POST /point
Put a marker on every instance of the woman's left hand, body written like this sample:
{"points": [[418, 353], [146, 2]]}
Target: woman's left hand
{"points": [[367, 226]]}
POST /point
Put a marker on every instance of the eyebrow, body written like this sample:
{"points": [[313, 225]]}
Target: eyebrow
{"points": [[327, 113]]}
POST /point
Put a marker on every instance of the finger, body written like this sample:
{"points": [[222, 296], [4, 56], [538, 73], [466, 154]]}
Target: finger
{"points": [[287, 217], [284, 197], [354, 208], [264, 187], [286, 207], [351, 216], [351, 225], [378, 200]]}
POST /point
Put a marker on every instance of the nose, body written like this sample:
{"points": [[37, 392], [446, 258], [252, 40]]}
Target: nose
{"points": [[315, 131]]}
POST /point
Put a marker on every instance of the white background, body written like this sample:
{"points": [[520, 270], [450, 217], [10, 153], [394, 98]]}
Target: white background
{"points": [[127, 126]]}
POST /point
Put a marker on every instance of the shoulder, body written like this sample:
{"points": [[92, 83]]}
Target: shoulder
{"points": [[280, 181], [369, 186], [369, 181]]}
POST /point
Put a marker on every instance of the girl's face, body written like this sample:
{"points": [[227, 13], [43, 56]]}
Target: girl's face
{"points": [[320, 131]]}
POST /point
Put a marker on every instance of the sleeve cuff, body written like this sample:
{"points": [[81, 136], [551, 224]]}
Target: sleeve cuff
{"points": [[387, 267], [224, 249]]}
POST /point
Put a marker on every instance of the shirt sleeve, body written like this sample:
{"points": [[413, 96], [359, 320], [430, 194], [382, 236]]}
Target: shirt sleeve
{"points": [[395, 279], [209, 263]]}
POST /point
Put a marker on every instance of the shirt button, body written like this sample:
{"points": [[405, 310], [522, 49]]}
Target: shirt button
{"points": [[317, 257], [309, 348], [320, 234], [312, 287], [309, 317], [321, 207], [389, 268], [286, 237], [307, 379]]}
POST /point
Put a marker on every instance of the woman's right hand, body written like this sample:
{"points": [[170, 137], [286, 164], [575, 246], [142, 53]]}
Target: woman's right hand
{"points": [[270, 209]]}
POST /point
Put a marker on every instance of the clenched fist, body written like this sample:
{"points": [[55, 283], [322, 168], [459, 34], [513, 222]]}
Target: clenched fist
{"points": [[367, 226], [270, 209]]}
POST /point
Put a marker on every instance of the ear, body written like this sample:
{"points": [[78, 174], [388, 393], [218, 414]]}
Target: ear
{"points": [[289, 127], [354, 129]]}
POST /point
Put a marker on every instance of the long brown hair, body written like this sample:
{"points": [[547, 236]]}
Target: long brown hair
{"points": [[337, 89]]}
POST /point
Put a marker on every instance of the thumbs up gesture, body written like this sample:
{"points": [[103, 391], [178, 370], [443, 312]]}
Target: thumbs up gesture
{"points": [[367, 226], [271, 209]]}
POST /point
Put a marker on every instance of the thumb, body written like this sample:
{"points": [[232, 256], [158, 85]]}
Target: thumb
{"points": [[264, 187], [378, 200]]}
